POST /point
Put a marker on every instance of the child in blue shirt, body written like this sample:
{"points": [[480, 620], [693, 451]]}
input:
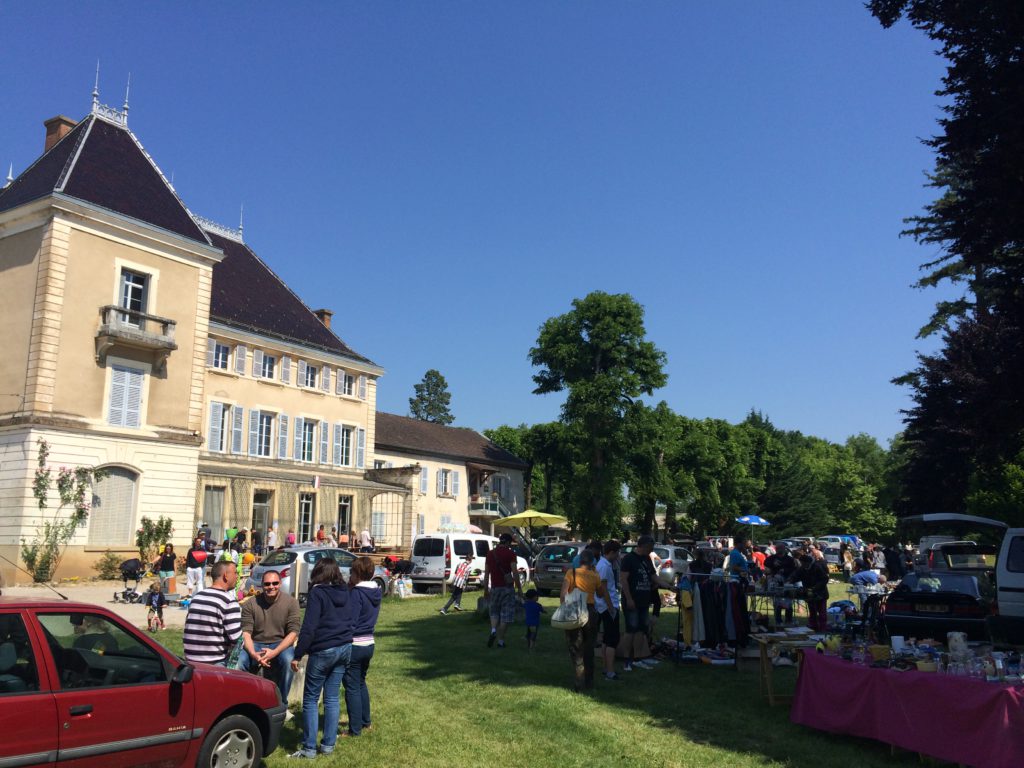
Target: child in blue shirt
{"points": [[533, 609]]}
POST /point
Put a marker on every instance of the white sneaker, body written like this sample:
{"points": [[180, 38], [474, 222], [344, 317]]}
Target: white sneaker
{"points": [[642, 665], [627, 668]]}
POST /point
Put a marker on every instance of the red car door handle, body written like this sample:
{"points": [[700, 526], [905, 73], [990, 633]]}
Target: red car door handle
{"points": [[82, 709]]}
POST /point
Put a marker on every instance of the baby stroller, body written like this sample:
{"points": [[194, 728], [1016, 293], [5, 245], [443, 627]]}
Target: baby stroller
{"points": [[130, 569]]}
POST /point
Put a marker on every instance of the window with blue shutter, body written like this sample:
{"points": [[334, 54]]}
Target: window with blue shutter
{"points": [[254, 432], [216, 419], [125, 406], [337, 445], [325, 379], [362, 387], [324, 458], [424, 471], [361, 448], [257, 363], [300, 381], [211, 346], [240, 359], [299, 426], [455, 483], [440, 482], [286, 369], [282, 436], [238, 413]]}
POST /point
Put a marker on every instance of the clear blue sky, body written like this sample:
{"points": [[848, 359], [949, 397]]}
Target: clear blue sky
{"points": [[447, 175]]}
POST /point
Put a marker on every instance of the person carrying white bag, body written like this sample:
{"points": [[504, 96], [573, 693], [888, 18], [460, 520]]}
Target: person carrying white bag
{"points": [[577, 615]]}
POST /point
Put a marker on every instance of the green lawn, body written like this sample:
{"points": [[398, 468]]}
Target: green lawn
{"points": [[441, 697]]}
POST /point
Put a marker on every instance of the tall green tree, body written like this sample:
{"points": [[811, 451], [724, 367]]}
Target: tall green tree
{"points": [[597, 353], [432, 399]]}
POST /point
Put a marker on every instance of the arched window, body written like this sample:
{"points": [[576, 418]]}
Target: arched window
{"points": [[112, 516], [386, 519]]}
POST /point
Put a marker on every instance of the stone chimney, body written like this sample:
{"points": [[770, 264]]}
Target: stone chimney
{"points": [[56, 129], [324, 315]]}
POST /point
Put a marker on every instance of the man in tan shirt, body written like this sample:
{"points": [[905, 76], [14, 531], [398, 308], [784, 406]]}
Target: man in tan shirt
{"points": [[270, 626]]}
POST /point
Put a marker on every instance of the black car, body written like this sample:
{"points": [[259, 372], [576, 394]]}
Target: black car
{"points": [[932, 603]]}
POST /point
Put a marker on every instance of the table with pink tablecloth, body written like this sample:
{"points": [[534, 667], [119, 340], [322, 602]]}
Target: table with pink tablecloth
{"points": [[959, 719]]}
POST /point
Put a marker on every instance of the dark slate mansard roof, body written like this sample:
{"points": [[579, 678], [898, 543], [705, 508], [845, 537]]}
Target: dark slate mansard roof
{"points": [[101, 163], [409, 435]]}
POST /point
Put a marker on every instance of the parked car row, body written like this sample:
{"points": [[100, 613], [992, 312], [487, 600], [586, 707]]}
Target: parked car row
{"points": [[295, 564]]}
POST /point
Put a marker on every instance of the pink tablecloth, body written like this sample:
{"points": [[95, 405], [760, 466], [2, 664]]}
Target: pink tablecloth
{"points": [[953, 718]]}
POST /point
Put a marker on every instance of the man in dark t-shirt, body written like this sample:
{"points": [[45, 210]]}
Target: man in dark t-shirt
{"points": [[500, 585], [638, 582]]}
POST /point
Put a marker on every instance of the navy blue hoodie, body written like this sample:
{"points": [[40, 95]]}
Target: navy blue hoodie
{"points": [[365, 607], [328, 621]]}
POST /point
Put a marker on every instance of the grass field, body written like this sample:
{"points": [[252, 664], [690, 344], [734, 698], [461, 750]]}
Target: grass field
{"points": [[440, 697]]}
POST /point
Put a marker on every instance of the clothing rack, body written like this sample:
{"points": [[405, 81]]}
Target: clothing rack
{"points": [[717, 605]]}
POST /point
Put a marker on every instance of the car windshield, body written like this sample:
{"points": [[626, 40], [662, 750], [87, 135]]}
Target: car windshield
{"points": [[562, 553], [280, 557], [941, 582]]}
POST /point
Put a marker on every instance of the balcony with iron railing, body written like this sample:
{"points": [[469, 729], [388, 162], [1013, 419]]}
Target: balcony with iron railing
{"points": [[488, 505], [131, 329]]}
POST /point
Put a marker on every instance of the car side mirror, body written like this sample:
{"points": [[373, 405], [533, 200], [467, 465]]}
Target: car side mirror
{"points": [[182, 675]]}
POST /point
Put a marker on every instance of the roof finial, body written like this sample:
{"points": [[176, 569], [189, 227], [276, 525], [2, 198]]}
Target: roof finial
{"points": [[127, 88], [96, 87], [10, 175], [241, 219]]}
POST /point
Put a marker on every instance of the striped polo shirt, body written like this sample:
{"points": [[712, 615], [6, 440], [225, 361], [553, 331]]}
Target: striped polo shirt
{"points": [[212, 626]]}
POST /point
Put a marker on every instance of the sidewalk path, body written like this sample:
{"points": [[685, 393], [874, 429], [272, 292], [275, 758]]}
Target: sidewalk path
{"points": [[100, 593]]}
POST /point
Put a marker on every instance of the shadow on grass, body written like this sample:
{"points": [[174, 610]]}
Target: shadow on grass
{"points": [[714, 706]]}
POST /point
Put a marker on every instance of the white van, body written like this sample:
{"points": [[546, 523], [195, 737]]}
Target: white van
{"points": [[434, 555], [1008, 624]]}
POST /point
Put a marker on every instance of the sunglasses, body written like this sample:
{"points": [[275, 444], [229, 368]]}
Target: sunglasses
{"points": [[274, 584]]}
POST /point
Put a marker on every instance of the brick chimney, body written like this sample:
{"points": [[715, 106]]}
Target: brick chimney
{"points": [[56, 129], [324, 315]]}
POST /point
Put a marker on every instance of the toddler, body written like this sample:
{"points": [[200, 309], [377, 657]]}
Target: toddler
{"points": [[533, 609], [155, 601]]}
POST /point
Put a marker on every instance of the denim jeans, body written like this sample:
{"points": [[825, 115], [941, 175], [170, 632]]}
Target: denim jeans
{"points": [[280, 667], [357, 695], [324, 671]]}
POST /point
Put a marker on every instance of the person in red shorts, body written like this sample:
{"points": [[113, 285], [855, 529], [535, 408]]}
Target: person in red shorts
{"points": [[500, 588]]}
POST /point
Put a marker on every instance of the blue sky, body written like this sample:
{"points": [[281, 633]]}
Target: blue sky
{"points": [[447, 175]]}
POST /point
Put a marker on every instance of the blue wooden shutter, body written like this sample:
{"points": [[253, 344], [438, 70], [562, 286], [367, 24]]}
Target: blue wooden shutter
{"points": [[337, 445], [361, 449], [455, 483], [216, 419], [301, 380], [362, 387], [282, 436], [325, 378], [257, 363], [211, 347], [238, 412], [440, 482], [300, 424], [339, 381], [324, 458], [286, 369], [254, 432], [424, 470], [240, 359], [118, 385]]}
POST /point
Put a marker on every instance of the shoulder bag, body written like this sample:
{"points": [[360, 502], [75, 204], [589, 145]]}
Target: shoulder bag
{"points": [[572, 614]]}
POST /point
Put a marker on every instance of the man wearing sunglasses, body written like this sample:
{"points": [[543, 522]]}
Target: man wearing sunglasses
{"points": [[270, 626]]}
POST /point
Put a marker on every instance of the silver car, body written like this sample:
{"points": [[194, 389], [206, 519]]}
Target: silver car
{"points": [[294, 564]]}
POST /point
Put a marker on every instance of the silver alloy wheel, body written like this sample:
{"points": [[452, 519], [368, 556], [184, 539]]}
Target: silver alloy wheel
{"points": [[235, 749]]}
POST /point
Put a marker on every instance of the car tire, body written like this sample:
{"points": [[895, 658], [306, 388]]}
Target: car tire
{"points": [[383, 586], [234, 742]]}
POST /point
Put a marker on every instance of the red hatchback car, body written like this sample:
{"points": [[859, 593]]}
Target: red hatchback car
{"points": [[81, 687]]}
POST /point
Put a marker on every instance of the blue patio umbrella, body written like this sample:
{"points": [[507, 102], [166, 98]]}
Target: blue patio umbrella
{"points": [[752, 520]]}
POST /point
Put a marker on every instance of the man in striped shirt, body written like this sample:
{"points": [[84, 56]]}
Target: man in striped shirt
{"points": [[213, 625]]}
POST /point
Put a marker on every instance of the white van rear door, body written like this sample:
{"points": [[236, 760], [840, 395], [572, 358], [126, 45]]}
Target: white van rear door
{"points": [[1010, 574]]}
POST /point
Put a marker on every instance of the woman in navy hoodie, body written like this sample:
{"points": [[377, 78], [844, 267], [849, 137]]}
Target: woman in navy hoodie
{"points": [[364, 606], [326, 635]]}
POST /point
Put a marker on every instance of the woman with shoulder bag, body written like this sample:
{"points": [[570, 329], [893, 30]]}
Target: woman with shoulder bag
{"points": [[581, 640]]}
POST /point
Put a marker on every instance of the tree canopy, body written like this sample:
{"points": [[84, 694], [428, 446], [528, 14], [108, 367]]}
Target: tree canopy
{"points": [[432, 399]]}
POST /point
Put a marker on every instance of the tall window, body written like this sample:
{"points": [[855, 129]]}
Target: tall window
{"points": [[125, 406], [213, 510], [264, 435], [112, 515], [348, 385], [447, 482], [220, 355], [308, 440], [343, 451], [261, 511], [311, 372], [220, 427], [386, 519], [133, 295], [269, 366], [345, 515], [307, 510]]}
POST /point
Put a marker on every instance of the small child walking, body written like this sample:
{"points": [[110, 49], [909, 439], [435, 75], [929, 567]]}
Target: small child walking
{"points": [[458, 585], [155, 601], [533, 609]]}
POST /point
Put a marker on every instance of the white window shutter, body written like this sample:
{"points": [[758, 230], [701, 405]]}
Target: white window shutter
{"points": [[118, 387], [282, 436], [440, 482], [337, 444], [301, 381], [361, 448], [325, 379], [240, 359], [286, 369], [339, 381], [324, 457], [211, 347], [216, 419], [423, 478], [133, 397], [362, 387], [238, 412], [257, 363], [254, 431], [300, 424], [455, 483]]}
